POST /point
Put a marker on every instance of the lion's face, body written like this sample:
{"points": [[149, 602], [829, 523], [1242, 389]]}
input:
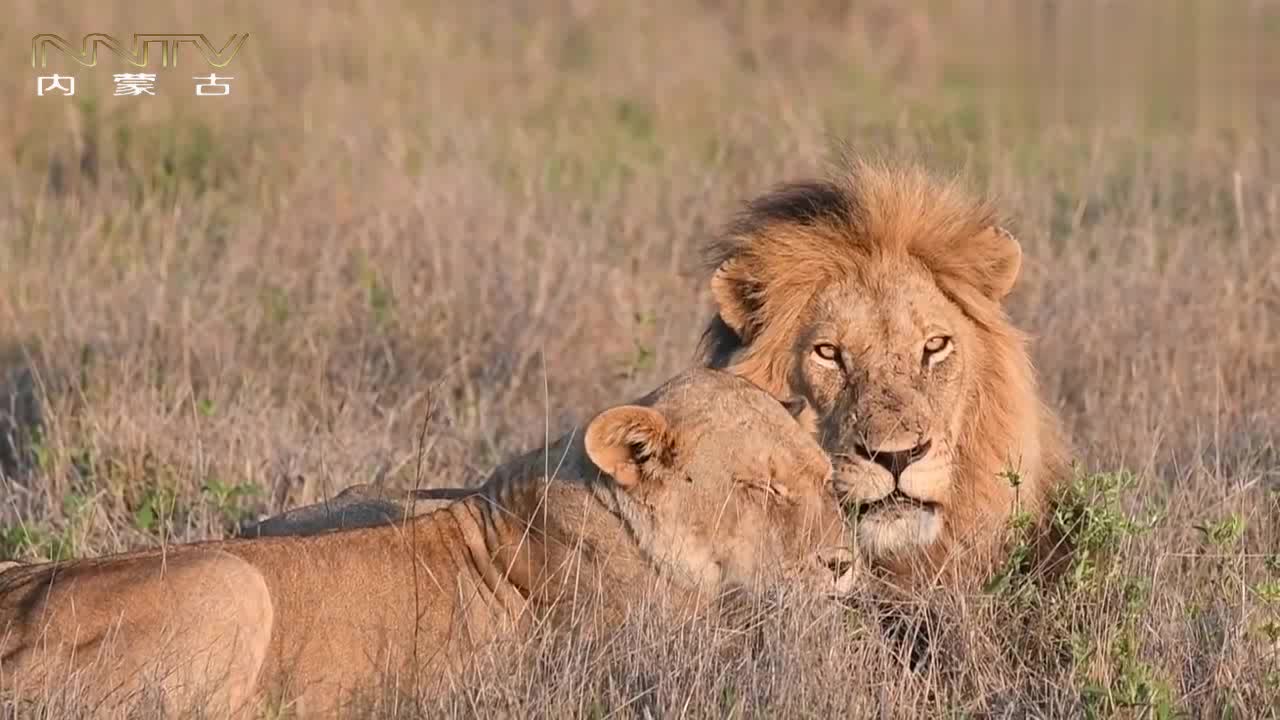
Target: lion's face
{"points": [[879, 298], [888, 368], [736, 492]]}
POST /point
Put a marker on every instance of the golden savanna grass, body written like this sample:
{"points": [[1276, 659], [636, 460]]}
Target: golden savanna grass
{"points": [[419, 238]]}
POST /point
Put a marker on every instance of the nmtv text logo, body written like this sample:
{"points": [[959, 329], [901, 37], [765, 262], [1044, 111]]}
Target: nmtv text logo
{"points": [[138, 57]]}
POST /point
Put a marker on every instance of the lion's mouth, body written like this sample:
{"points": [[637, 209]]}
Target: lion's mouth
{"points": [[895, 503]]}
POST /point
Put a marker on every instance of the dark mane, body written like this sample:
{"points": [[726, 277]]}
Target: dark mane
{"points": [[805, 203]]}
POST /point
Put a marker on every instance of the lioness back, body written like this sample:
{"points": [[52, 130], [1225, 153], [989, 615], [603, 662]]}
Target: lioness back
{"points": [[214, 617]]}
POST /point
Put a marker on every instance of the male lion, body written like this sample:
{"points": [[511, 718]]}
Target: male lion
{"points": [[704, 486], [876, 296]]}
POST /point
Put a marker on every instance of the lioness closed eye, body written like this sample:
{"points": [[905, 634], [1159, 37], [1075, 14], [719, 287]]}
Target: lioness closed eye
{"points": [[704, 485]]}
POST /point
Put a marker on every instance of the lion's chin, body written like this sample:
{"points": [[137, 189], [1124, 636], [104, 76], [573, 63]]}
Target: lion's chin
{"points": [[898, 529]]}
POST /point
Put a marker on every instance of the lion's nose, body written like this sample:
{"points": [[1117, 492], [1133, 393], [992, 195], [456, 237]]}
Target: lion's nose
{"points": [[895, 461]]}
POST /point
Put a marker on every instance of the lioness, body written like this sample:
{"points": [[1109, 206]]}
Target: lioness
{"points": [[876, 295], [708, 484]]}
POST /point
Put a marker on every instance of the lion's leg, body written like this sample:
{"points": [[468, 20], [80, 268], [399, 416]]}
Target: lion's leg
{"points": [[194, 626]]}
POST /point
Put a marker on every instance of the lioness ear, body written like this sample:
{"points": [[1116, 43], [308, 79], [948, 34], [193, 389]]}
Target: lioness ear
{"points": [[734, 293], [620, 440], [1001, 259]]}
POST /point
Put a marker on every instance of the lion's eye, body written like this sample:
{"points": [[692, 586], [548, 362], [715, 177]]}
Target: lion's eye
{"points": [[936, 347], [754, 484], [780, 491], [826, 352], [773, 492]]}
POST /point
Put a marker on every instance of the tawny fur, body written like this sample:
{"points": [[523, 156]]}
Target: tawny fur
{"points": [[706, 485]]}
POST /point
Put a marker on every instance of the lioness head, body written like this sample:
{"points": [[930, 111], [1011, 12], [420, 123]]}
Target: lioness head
{"points": [[877, 297], [723, 487]]}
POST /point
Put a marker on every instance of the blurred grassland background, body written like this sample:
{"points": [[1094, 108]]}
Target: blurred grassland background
{"points": [[487, 216]]}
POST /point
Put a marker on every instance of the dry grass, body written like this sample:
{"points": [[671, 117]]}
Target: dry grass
{"points": [[220, 306]]}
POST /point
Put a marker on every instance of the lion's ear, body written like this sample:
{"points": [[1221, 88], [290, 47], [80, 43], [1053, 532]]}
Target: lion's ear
{"points": [[621, 440], [999, 258], [735, 293]]}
